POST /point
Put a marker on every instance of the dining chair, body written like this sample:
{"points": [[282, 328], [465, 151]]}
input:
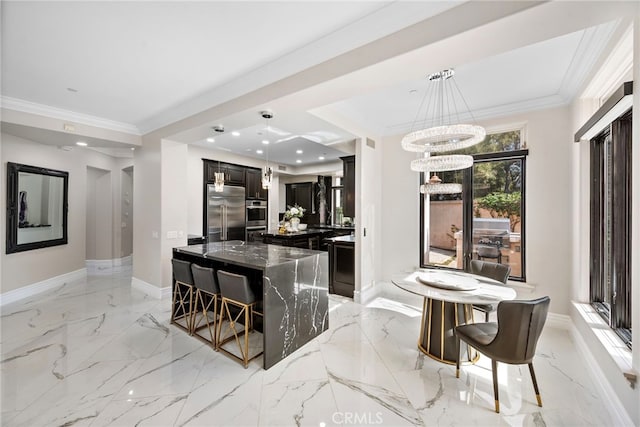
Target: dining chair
{"points": [[512, 340], [492, 270]]}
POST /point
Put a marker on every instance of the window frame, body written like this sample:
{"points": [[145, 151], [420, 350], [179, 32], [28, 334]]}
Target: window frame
{"points": [[610, 225], [467, 199]]}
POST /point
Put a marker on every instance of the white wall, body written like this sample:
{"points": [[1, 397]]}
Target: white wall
{"points": [[18, 268], [548, 205], [147, 216], [368, 218], [99, 215]]}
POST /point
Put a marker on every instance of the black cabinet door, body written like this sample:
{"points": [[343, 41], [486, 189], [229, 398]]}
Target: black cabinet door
{"points": [[342, 269], [300, 193], [233, 175], [349, 184], [253, 187]]}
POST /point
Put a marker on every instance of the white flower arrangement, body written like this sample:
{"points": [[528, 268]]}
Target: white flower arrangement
{"points": [[294, 211]]}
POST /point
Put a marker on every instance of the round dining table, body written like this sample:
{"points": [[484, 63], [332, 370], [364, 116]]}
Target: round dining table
{"points": [[448, 298]]}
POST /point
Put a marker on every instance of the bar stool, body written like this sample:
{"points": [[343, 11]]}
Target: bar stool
{"points": [[206, 300], [236, 292], [182, 294]]}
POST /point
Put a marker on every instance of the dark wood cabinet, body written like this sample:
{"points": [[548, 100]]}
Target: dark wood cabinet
{"points": [[253, 186], [342, 268], [233, 174], [349, 185], [300, 193]]}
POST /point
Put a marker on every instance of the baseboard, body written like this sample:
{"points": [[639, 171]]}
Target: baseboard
{"points": [[366, 295], [149, 289], [559, 321], [108, 266], [43, 286], [620, 417]]}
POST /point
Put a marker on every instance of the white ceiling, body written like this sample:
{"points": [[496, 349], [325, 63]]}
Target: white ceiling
{"points": [[139, 66]]}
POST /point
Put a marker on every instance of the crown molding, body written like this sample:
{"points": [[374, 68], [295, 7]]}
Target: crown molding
{"points": [[591, 46], [66, 115], [612, 73]]}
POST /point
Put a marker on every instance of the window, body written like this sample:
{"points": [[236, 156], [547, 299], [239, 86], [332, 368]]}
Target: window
{"points": [[491, 207], [610, 226]]}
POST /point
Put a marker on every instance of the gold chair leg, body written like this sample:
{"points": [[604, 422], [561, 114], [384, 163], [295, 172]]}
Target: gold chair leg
{"points": [[535, 384], [494, 370]]}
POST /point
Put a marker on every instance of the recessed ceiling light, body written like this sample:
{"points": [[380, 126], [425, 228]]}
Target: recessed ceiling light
{"points": [[298, 161], [259, 151], [133, 148], [235, 133], [299, 151], [211, 140], [81, 143], [265, 141], [321, 158]]}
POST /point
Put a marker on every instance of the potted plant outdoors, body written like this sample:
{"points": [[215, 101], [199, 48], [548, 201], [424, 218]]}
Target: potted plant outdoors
{"points": [[293, 214]]}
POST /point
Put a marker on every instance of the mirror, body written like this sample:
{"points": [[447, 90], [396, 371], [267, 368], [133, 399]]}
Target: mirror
{"points": [[36, 207]]}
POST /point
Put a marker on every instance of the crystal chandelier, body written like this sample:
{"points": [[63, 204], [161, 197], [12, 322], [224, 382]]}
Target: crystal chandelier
{"points": [[435, 186], [267, 171], [218, 183], [441, 134]]}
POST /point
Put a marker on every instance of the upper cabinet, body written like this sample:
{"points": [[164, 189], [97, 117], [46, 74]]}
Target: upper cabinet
{"points": [[300, 193], [233, 174], [349, 185], [253, 188]]}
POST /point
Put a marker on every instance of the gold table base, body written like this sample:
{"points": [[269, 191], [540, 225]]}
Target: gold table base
{"points": [[437, 338]]}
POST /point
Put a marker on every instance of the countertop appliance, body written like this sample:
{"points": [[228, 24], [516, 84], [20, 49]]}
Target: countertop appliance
{"points": [[225, 214]]}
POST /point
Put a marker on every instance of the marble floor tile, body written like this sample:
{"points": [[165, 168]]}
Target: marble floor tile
{"points": [[97, 352]]}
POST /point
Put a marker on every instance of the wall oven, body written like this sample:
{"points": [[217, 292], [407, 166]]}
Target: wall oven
{"points": [[256, 213]]}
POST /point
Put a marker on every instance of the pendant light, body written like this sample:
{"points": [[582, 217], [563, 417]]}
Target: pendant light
{"points": [[442, 133], [218, 183], [267, 171]]}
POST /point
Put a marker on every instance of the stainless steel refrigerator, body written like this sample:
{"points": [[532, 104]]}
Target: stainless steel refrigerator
{"points": [[225, 213]]}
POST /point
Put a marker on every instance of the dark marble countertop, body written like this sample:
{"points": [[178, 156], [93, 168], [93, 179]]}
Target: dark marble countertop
{"points": [[333, 227], [342, 239], [247, 254], [309, 232]]}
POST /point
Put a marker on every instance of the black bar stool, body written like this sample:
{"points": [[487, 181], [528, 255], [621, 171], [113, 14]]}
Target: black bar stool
{"points": [[182, 294], [236, 292], [206, 301]]}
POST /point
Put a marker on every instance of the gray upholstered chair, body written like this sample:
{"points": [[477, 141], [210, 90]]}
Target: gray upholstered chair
{"points": [[512, 340], [492, 270], [182, 302], [205, 302], [236, 292]]}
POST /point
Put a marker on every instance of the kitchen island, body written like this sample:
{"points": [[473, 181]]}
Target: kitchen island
{"points": [[294, 284]]}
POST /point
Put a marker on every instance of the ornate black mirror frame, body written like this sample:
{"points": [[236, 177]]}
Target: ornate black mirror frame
{"points": [[13, 207]]}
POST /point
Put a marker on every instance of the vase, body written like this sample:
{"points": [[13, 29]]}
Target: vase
{"points": [[295, 221]]}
